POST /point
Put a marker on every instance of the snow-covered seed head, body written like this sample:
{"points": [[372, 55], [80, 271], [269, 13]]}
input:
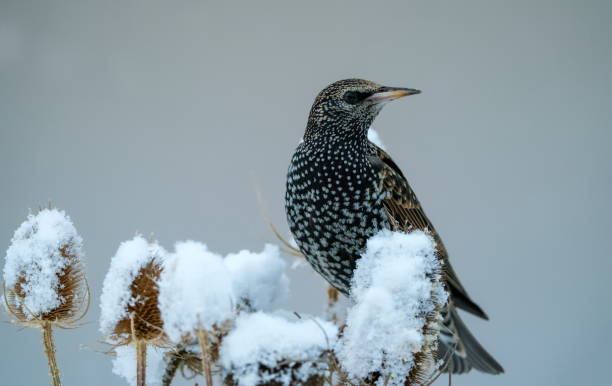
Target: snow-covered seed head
{"points": [[130, 297], [275, 349], [196, 291], [258, 280], [391, 333], [43, 273], [144, 320]]}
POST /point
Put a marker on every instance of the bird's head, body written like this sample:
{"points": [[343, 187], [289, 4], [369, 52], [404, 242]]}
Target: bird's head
{"points": [[348, 107]]}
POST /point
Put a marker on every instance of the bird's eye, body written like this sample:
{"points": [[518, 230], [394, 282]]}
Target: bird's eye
{"points": [[354, 97]]}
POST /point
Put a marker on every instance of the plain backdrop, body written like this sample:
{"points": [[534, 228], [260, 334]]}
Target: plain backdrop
{"points": [[166, 117]]}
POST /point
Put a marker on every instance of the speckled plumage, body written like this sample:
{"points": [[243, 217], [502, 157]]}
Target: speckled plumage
{"points": [[342, 189], [333, 205]]}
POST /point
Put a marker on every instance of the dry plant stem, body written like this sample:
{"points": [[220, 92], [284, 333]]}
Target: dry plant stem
{"points": [[206, 358], [141, 362], [50, 353], [333, 296]]}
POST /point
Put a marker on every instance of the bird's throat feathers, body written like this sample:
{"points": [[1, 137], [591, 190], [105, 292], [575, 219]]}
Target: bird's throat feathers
{"points": [[339, 127]]}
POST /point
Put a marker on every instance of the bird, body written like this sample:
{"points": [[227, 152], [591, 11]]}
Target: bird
{"points": [[342, 189]]}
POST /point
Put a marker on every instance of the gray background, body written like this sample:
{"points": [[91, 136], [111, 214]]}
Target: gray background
{"points": [[164, 116]]}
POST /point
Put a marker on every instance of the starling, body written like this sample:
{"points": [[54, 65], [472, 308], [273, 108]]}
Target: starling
{"points": [[342, 189]]}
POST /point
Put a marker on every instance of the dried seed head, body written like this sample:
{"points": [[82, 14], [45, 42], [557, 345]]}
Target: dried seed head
{"points": [[144, 319], [130, 297], [43, 274], [392, 328], [268, 349], [196, 291]]}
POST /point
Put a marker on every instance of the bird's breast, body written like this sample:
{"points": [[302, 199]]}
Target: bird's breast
{"points": [[333, 205]]}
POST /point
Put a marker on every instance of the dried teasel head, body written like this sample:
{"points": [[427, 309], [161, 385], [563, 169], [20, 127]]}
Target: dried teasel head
{"points": [[392, 328], [272, 349], [130, 297], [44, 281], [144, 318]]}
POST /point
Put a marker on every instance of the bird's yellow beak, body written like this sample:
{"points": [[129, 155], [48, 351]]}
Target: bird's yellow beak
{"points": [[385, 94]]}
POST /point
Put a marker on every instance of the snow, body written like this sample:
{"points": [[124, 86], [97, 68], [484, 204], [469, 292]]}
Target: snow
{"points": [[34, 256], [396, 283], [131, 256], [258, 279], [375, 138], [195, 290], [261, 339], [124, 364]]}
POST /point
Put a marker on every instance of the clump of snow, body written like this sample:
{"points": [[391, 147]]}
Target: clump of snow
{"points": [[34, 260], [258, 279], [195, 290], [375, 138], [131, 256], [397, 282], [124, 364], [264, 347]]}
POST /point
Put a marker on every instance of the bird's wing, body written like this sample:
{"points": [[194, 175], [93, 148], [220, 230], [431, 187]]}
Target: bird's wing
{"points": [[406, 214]]}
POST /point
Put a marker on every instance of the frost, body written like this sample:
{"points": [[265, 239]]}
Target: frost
{"points": [[41, 248], [131, 256], [258, 279], [195, 290], [124, 364], [395, 285], [375, 138], [261, 342]]}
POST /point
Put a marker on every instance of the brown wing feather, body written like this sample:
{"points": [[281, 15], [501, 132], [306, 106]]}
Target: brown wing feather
{"points": [[406, 214]]}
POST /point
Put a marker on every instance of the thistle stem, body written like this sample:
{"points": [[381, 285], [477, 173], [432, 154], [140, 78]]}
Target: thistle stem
{"points": [[333, 296], [50, 353], [141, 362], [206, 357]]}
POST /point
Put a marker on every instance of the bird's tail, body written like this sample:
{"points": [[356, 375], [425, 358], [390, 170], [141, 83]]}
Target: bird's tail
{"points": [[459, 350]]}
